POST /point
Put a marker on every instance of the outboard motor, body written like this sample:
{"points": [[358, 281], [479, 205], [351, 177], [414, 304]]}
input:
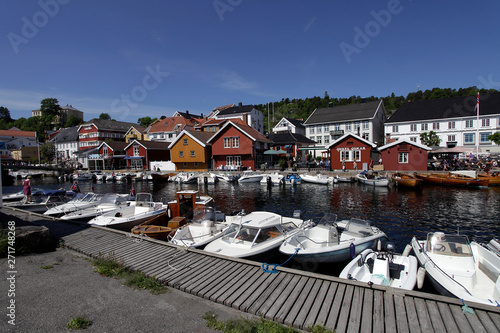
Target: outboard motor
{"points": [[390, 247]]}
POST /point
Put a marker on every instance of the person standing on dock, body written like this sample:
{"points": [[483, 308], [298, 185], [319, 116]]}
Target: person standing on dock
{"points": [[27, 189], [76, 187]]}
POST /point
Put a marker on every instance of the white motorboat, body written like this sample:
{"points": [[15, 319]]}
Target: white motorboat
{"points": [[253, 234], [209, 179], [17, 196], [128, 216], [383, 268], [109, 202], [227, 177], [186, 178], [494, 246], [207, 225], [81, 201], [43, 200], [121, 177], [459, 268], [292, 179], [333, 241], [343, 179], [316, 179], [274, 178], [250, 176], [365, 178]]}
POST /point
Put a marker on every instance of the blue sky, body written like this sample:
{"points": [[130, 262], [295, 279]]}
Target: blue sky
{"points": [[132, 59]]}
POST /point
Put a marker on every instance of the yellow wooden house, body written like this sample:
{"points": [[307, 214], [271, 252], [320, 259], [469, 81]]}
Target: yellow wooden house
{"points": [[190, 151], [135, 133]]}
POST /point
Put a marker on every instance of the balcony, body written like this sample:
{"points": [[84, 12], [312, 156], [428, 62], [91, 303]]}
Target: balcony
{"points": [[337, 132]]}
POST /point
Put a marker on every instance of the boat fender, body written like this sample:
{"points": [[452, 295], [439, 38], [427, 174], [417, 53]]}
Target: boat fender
{"points": [[420, 277], [352, 250], [379, 245], [407, 250]]}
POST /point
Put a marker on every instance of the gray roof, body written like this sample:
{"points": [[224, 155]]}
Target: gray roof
{"points": [[111, 125], [289, 138], [349, 112], [447, 108], [296, 122], [236, 110], [66, 135]]}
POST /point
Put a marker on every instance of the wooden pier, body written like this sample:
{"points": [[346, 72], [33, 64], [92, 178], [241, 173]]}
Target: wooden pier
{"points": [[292, 297]]}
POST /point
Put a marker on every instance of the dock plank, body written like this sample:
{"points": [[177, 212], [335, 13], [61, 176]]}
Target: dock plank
{"points": [[269, 294], [309, 304], [486, 321], [218, 295], [275, 308], [412, 316], [320, 300], [300, 307], [390, 313], [354, 321], [447, 316], [424, 319], [402, 319], [460, 319], [263, 308], [249, 289], [367, 314], [378, 311]]}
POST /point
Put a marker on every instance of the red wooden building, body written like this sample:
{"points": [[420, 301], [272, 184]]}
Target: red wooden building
{"points": [[140, 152], [237, 146], [404, 155], [353, 151]]}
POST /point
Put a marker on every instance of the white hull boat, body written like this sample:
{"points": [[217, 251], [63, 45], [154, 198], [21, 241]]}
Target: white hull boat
{"points": [[206, 226], [383, 268], [460, 269], [333, 241], [209, 179], [375, 181], [274, 178], [226, 177], [251, 235], [81, 201], [43, 201], [17, 196], [109, 202], [128, 217], [343, 179], [186, 178], [250, 177], [316, 179]]}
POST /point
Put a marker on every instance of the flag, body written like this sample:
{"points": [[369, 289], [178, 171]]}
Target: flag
{"points": [[477, 104]]}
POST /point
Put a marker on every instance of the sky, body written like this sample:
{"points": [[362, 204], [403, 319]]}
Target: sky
{"points": [[132, 59]]}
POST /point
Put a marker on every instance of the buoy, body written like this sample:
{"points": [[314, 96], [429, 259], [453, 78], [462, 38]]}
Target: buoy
{"points": [[352, 250], [420, 277], [407, 250]]}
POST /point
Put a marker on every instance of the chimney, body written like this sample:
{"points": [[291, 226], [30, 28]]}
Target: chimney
{"points": [[187, 111], [240, 104]]}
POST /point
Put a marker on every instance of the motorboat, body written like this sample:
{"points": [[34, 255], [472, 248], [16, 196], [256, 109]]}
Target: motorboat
{"points": [[81, 201], [292, 179], [17, 196], [251, 235], [274, 178], [373, 180], [128, 216], [459, 268], [121, 177], [227, 177], [209, 179], [494, 246], [343, 179], [333, 241], [203, 229], [186, 178], [186, 207], [317, 179], [250, 176], [401, 179], [384, 268], [452, 179], [43, 200], [109, 202]]}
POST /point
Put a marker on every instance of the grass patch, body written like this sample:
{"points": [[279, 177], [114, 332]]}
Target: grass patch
{"points": [[78, 323], [261, 325], [111, 267], [47, 267]]}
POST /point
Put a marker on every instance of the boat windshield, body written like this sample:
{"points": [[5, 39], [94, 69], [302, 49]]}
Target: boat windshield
{"points": [[328, 219], [242, 234], [359, 226], [450, 245], [203, 215]]}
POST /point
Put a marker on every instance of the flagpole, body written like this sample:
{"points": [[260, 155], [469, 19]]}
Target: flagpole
{"points": [[477, 127]]}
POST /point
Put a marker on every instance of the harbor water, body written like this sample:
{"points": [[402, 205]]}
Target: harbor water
{"points": [[400, 213]]}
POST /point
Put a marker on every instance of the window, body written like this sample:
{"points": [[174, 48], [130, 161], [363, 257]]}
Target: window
{"points": [[347, 126], [336, 127], [483, 137], [344, 155], [403, 157], [105, 151], [327, 128], [327, 139], [227, 142], [192, 153], [181, 153], [413, 139], [451, 138], [319, 129], [318, 139], [214, 128], [236, 142], [357, 126], [196, 164], [485, 122], [451, 125], [136, 151], [395, 129], [413, 127], [424, 127], [468, 138], [366, 136], [366, 125], [469, 123], [311, 130], [185, 142], [435, 126], [357, 155]]}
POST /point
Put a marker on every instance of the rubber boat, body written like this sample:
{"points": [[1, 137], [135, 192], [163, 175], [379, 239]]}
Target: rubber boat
{"points": [[365, 178], [333, 241], [252, 235], [459, 268], [383, 268], [317, 179]]}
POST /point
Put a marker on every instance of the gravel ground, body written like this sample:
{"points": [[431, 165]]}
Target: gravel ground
{"points": [[47, 299]]}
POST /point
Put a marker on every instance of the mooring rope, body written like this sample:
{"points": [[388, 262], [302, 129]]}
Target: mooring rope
{"points": [[265, 266]]}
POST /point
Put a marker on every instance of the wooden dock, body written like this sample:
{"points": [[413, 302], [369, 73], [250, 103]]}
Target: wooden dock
{"points": [[292, 297]]}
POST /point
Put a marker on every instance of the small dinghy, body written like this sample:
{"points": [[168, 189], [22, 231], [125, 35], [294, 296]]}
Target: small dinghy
{"points": [[383, 268]]}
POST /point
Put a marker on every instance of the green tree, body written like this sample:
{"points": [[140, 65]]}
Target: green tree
{"points": [[47, 152], [50, 107], [495, 137], [73, 121], [430, 139], [146, 121], [5, 114], [105, 116]]}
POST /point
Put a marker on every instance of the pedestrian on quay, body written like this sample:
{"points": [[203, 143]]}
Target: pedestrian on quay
{"points": [[27, 189]]}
